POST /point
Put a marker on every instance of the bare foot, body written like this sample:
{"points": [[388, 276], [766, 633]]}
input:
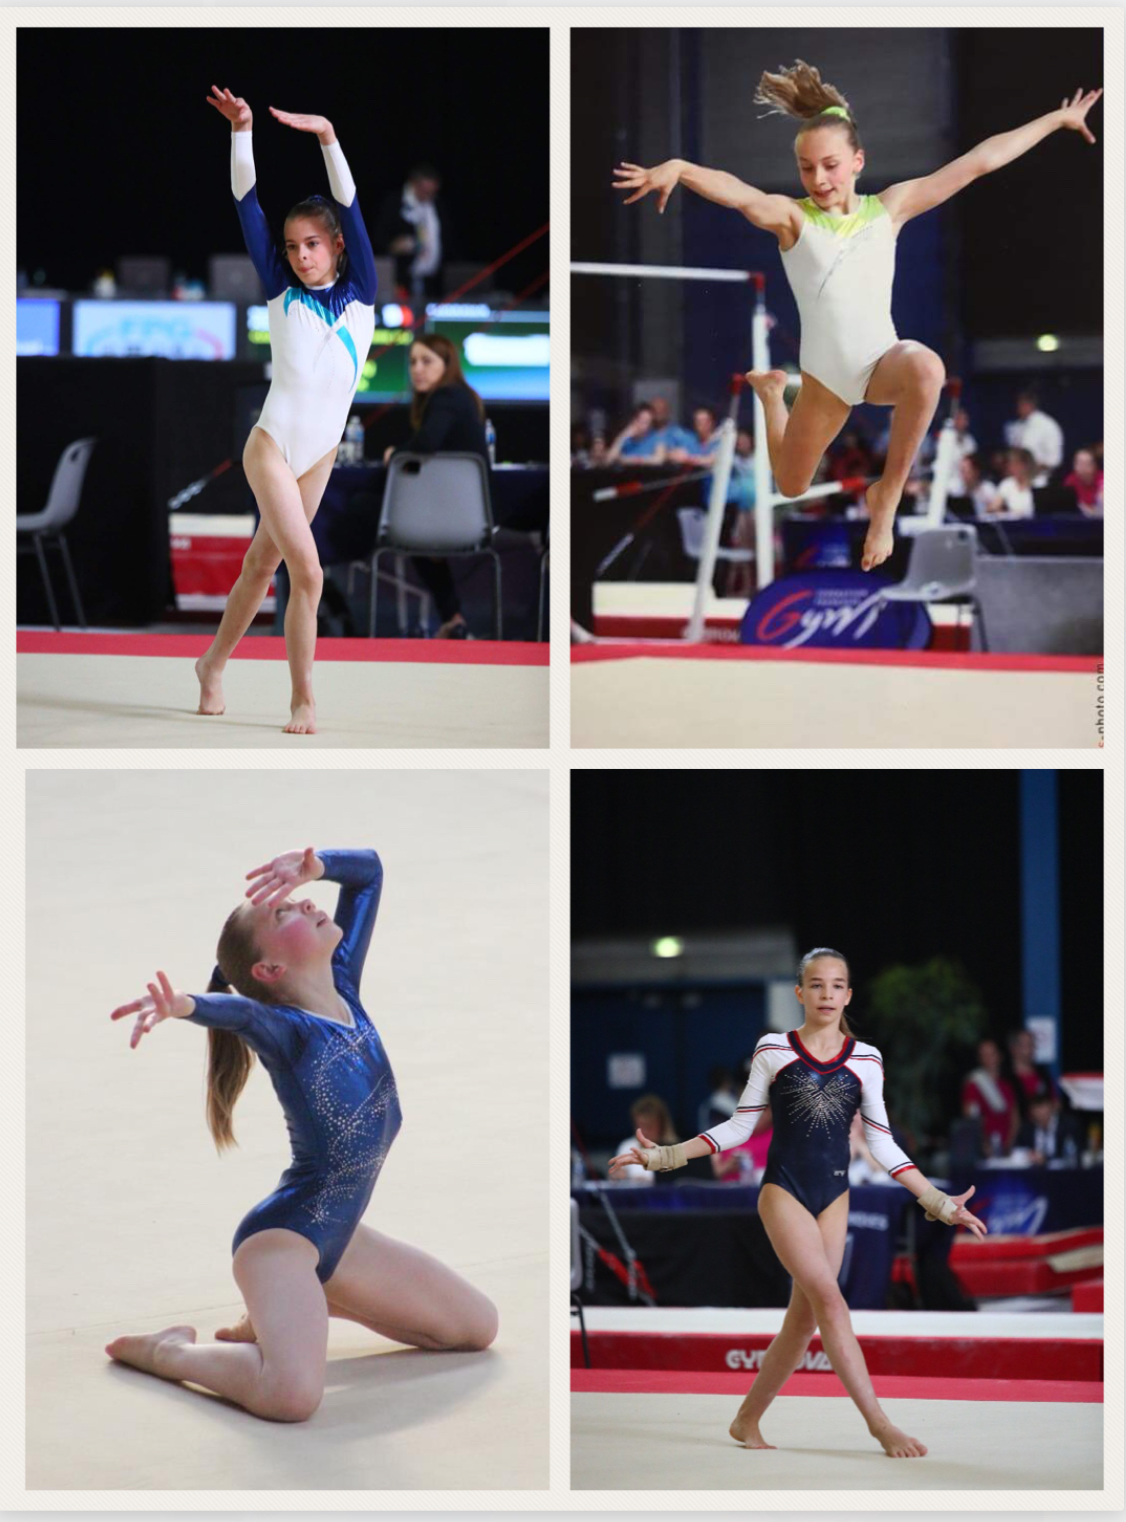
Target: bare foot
{"points": [[243, 1331], [896, 1444], [210, 688], [767, 383], [744, 1431], [303, 720], [144, 1352], [880, 539]]}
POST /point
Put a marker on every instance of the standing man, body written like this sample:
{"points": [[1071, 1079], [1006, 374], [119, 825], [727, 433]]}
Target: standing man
{"points": [[409, 228], [1040, 434]]}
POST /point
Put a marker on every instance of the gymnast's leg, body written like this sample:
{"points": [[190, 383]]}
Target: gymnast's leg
{"points": [[281, 1376], [797, 440], [801, 1248], [246, 597], [401, 1293], [909, 378], [785, 1353]]}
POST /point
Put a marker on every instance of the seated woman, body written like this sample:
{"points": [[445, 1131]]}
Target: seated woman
{"points": [[446, 415]]}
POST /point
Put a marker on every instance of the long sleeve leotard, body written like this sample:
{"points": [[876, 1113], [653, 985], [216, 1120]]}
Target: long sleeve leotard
{"points": [[334, 1081], [319, 335], [812, 1104]]}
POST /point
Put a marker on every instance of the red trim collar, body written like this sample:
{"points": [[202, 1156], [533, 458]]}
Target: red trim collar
{"points": [[829, 1062]]}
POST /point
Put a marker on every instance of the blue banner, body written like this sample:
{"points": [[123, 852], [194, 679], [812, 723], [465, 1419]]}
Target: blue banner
{"points": [[834, 610]]}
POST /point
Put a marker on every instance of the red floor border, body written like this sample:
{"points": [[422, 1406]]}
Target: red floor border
{"points": [[268, 647], [933, 660], [887, 1386]]}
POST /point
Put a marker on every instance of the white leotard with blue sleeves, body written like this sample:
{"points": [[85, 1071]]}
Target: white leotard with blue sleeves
{"points": [[841, 271], [319, 335]]}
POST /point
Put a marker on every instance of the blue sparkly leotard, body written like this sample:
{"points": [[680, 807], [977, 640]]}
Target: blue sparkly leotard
{"points": [[812, 1104], [334, 1081], [319, 335]]}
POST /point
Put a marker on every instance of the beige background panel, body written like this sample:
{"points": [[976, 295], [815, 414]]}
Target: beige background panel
{"points": [[645, 701], [145, 701], [131, 1211]]}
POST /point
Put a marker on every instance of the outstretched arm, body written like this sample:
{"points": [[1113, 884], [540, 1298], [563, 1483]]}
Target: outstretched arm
{"points": [[343, 187], [774, 214], [912, 197]]}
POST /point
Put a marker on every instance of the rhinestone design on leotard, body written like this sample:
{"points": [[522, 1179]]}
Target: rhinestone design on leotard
{"points": [[820, 1105], [354, 1158]]}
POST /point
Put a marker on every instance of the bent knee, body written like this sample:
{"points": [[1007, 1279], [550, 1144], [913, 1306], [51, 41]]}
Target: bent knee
{"points": [[483, 1333], [305, 576], [927, 369], [291, 1401], [826, 1301], [793, 483], [260, 564]]}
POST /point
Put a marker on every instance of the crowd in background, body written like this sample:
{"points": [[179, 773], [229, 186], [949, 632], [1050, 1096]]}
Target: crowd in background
{"points": [[1027, 471], [1012, 1110]]}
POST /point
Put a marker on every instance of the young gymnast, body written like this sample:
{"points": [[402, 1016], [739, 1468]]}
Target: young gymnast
{"points": [[812, 1081], [321, 325], [302, 1255], [838, 251]]}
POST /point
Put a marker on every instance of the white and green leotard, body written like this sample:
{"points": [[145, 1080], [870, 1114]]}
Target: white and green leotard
{"points": [[840, 271]]}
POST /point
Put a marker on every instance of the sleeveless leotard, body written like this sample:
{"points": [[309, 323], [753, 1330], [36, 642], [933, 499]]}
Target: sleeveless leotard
{"points": [[840, 271], [812, 1104], [319, 335], [334, 1081]]}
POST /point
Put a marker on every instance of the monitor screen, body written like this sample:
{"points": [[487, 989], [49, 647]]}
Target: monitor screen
{"points": [[37, 325], [167, 329], [504, 355]]}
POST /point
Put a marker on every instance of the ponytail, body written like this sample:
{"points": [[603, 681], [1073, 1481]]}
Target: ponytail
{"points": [[229, 1061], [799, 92]]}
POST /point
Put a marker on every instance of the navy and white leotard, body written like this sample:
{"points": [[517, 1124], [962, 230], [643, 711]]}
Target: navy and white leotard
{"points": [[319, 335], [334, 1081], [812, 1104]]}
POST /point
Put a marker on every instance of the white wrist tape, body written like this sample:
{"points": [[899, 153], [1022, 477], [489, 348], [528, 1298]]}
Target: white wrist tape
{"points": [[938, 1206], [662, 1159]]}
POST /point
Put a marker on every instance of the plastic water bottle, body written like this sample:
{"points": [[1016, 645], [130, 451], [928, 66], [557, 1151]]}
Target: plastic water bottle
{"points": [[491, 441], [354, 441]]}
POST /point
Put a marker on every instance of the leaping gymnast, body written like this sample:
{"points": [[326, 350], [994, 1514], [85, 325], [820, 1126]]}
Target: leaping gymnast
{"points": [[812, 1081], [838, 251], [322, 317]]}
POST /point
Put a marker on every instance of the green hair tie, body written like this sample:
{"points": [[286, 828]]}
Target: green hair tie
{"points": [[835, 111]]}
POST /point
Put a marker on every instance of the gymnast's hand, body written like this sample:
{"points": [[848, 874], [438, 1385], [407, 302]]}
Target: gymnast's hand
{"points": [[1074, 112], [278, 878], [663, 179], [619, 1164], [964, 1218], [162, 1002], [318, 124], [233, 107]]}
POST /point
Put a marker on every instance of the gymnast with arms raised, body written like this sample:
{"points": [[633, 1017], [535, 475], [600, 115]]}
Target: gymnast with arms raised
{"points": [[838, 251], [322, 318], [287, 990], [812, 1081]]}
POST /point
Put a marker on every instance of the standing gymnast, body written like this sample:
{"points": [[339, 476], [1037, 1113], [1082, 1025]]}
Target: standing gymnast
{"points": [[302, 1255], [812, 1081], [320, 332], [838, 251]]}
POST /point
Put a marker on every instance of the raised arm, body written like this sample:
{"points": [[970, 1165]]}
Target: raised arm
{"points": [[774, 214], [360, 875], [912, 197], [343, 186], [255, 229]]}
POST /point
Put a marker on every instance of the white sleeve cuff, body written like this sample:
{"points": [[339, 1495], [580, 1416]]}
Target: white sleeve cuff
{"points": [[243, 175], [340, 180]]}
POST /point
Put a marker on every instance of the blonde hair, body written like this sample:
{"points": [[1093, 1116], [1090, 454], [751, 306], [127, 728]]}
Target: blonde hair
{"points": [[229, 1059], [800, 92]]}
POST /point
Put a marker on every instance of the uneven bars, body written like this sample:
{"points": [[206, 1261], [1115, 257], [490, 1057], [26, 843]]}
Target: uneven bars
{"points": [[663, 272]]}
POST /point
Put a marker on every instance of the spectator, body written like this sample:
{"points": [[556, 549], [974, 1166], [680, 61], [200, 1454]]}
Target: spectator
{"points": [[720, 1103], [1014, 495], [988, 1097], [964, 441], [409, 228], [1040, 434], [702, 444], [746, 1163], [637, 440], [1026, 1074], [670, 435], [650, 1116], [1086, 481], [850, 457], [974, 490], [1047, 1134]]}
